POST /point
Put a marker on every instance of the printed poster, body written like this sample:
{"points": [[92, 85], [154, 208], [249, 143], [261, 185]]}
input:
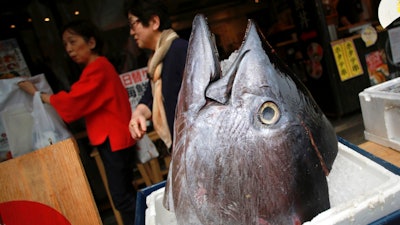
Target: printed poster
{"points": [[378, 69], [12, 62], [135, 83], [347, 60]]}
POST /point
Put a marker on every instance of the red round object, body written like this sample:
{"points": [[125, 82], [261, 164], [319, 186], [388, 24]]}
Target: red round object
{"points": [[28, 212]]}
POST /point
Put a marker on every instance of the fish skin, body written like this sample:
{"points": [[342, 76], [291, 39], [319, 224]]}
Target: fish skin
{"points": [[229, 166]]}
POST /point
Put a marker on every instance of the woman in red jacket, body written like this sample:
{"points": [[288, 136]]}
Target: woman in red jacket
{"points": [[100, 98]]}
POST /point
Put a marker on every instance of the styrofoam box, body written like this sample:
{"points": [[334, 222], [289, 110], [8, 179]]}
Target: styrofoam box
{"points": [[380, 107], [361, 191]]}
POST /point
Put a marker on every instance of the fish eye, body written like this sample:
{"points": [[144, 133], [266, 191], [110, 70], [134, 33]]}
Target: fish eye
{"points": [[269, 113]]}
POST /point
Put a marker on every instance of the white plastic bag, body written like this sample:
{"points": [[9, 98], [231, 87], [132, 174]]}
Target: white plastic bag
{"points": [[146, 149], [48, 128], [15, 114], [17, 124]]}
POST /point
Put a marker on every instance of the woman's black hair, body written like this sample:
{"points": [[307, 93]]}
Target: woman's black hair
{"points": [[145, 9], [87, 30]]}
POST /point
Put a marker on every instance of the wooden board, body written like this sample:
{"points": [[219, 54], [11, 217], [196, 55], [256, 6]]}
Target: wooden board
{"points": [[53, 176], [385, 153]]}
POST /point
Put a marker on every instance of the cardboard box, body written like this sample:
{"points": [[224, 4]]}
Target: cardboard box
{"points": [[380, 106]]}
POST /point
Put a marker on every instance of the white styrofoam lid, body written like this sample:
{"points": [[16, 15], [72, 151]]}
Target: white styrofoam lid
{"points": [[388, 11], [361, 191]]}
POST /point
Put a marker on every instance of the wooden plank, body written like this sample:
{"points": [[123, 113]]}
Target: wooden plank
{"points": [[385, 153], [54, 176]]}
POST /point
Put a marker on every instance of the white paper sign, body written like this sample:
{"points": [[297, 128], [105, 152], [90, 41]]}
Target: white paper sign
{"points": [[394, 38]]}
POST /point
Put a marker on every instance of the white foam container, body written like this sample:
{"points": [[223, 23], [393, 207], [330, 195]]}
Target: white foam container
{"points": [[381, 113], [361, 191]]}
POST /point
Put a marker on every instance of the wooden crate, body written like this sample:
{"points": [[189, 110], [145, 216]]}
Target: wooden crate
{"points": [[53, 176]]}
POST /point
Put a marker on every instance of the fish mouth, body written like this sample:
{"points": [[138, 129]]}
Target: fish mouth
{"points": [[221, 82]]}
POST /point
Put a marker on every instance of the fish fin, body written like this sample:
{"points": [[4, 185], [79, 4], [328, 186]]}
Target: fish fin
{"points": [[202, 66], [250, 68]]}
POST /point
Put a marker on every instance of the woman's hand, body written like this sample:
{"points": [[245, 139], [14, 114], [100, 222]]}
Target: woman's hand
{"points": [[27, 86], [137, 124]]}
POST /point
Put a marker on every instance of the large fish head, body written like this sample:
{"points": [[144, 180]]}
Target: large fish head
{"points": [[252, 125], [256, 87]]}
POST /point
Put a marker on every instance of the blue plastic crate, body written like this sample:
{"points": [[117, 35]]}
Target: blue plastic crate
{"points": [[141, 202]]}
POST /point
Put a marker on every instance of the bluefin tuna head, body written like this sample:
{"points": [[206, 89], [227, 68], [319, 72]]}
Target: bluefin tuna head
{"points": [[251, 145]]}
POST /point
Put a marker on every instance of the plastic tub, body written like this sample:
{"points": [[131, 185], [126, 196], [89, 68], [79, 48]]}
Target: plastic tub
{"points": [[380, 107]]}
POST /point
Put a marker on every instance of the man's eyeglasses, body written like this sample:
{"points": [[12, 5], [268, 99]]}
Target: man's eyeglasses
{"points": [[134, 23]]}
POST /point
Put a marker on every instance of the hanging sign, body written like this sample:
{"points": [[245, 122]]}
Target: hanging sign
{"points": [[347, 60]]}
